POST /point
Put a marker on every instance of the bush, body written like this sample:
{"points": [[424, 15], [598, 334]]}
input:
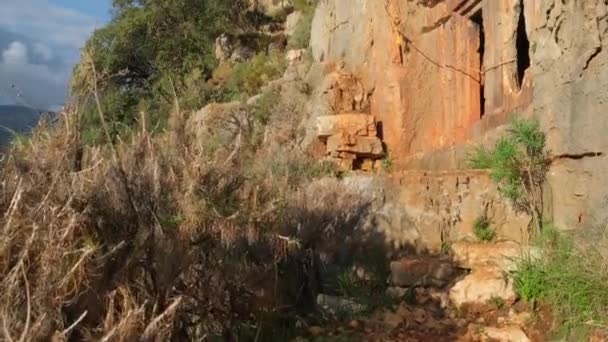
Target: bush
{"points": [[248, 77], [572, 279], [482, 229], [518, 164]]}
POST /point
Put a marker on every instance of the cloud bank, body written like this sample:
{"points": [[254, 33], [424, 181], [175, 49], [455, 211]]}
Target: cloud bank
{"points": [[39, 44]]}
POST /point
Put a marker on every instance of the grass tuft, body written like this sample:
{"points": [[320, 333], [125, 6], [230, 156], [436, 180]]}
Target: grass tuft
{"points": [[571, 278], [482, 229]]}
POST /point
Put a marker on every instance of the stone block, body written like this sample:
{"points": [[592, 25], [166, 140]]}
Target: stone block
{"points": [[354, 124], [359, 145]]}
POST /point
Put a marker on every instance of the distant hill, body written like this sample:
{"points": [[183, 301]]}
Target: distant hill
{"points": [[16, 118]]}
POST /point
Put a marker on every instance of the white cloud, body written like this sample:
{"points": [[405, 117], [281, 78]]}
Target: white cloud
{"points": [[47, 22], [33, 85], [45, 44], [16, 53], [43, 51]]}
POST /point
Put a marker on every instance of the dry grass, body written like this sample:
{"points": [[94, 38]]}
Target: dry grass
{"points": [[109, 244], [155, 238]]}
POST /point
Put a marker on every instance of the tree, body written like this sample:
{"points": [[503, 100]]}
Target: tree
{"points": [[148, 42], [518, 164]]}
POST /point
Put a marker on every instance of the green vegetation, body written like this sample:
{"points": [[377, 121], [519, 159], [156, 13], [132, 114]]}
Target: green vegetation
{"points": [[246, 78], [518, 164], [497, 302], [387, 161], [482, 229], [154, 51], [572, 279]]}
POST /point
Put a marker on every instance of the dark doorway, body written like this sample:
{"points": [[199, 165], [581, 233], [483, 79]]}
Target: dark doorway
{"points": [[477, 18], [523, 46]]}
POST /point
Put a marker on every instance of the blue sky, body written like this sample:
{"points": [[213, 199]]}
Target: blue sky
{"points": [[39, 45], [95, 8]]}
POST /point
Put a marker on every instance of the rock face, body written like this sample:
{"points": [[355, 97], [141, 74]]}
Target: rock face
{"points": [[442, 76]]}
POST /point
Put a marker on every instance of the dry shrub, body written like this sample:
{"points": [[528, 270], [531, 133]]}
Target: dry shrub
{"points": [[147, 239], [156, 239]]}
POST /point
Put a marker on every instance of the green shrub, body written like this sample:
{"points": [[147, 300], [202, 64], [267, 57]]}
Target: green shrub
{"points": [[482, 229], [572, 279], [518, 165], [248, 77]]}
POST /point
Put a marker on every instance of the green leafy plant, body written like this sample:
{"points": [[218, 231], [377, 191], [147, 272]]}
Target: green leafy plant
{"points": [[518, 165], [248, 77], [482, 229], [387, 163], [446, 247]]}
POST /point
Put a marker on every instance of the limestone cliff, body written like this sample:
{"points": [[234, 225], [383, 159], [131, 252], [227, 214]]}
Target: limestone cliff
{"points": [[442, 76]]}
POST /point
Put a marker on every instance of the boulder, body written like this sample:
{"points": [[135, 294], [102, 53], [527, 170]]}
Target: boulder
{"points": [[506, 334], [421, 271], [361, 146], [221, 122], [481, 286]]}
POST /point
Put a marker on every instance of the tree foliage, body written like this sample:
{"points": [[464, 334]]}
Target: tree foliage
{"points": [[152, 50]]}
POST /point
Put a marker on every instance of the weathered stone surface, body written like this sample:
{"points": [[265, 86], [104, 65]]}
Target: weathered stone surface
{"points": [[481, 286], [361, 146], [427, 210], [505, 334], [349, 123], [421, 271], [502, 255]]}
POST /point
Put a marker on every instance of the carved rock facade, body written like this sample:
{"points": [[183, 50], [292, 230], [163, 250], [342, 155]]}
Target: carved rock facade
{"points": [[440, 77]]}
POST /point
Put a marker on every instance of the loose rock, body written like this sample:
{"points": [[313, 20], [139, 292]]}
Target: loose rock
{"points": [[479, 287]]}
